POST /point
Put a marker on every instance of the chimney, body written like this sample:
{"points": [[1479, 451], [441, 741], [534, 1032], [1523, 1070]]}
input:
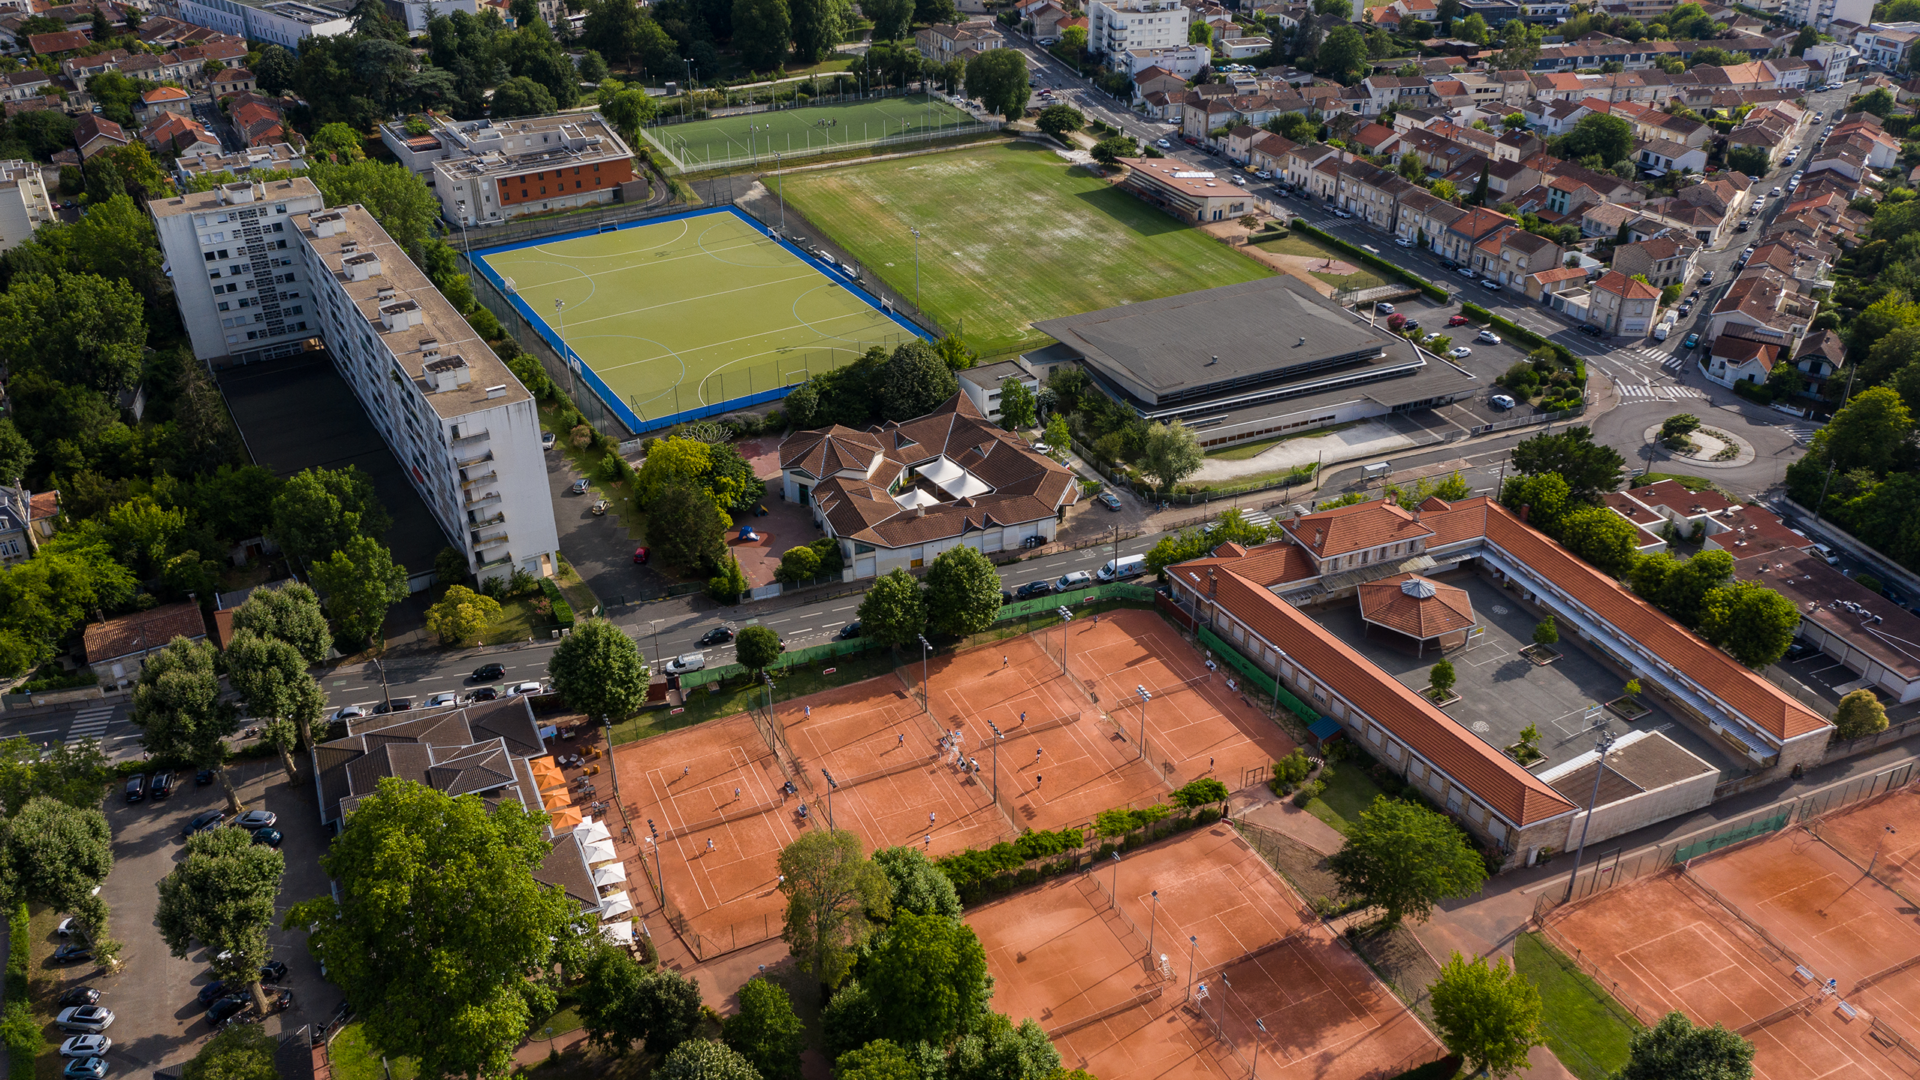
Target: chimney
{"points": [[1213, 584], [1524, 511], [1317, 533]]}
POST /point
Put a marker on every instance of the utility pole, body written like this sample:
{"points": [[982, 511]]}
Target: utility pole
{"points": [[832, 786], [925, 701]]}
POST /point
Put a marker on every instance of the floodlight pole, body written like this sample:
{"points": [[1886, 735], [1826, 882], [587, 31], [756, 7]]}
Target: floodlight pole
{"points": [[916, 266], [1152, 912], [1145, 696], [560, 319], [1116, 881], [926, 702], [1065, 618], [832, 785], [1604, 744], [1871, 863], [995, 728], [1193, 946], [1262, 1025], [780, 186]]}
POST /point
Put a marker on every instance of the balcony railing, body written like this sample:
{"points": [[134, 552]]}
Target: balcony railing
{"points": [[487, 477]]}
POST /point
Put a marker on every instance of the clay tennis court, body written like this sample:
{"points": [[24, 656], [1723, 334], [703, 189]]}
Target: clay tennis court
{"points": [[1862, 832], [1209, 728], [684, 782], [1066, 956]]}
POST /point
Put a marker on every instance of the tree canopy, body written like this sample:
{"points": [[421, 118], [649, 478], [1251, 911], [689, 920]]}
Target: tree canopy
{"points": [[997, 78], [832, 889], [893, 612], [1404, 858], [1589, 468], [963, 592], [178, 708], [766, 1031], [598, 670], [1489, 1014], [931, 972], [1677, 1049], [222, 896], [917, 885], [361, 581]]}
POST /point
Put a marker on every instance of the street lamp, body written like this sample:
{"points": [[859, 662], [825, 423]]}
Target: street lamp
{"points": [[1145, 696], [1871, 863], [1065, 618], [832, 785], [1603, 744], [1193, 946], [995, 728], [1262, 1025], [925, 648], [1152, 913], [566, 354], [1116, 881], [916, 265]]}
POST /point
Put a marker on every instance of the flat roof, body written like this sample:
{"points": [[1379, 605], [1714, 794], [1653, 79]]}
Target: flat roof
{"points": [[1223, 347], [194, 202], [1834, 602]]}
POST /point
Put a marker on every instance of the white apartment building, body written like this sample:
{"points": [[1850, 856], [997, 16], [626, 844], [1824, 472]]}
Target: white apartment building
{"points": [[1835, 60], [283, 22], [237, 274], [1820, 13], [1117, 27], [416, 13], [465, 430], [24, 205]]}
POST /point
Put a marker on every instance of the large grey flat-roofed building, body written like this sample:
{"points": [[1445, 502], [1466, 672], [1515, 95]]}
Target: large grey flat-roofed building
{"points": [[1244, 361]]}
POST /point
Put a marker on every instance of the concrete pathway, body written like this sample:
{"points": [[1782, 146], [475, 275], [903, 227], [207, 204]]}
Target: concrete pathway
{"points": [[1282, 816], [1370, 438]]}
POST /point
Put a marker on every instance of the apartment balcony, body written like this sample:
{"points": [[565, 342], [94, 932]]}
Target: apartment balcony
{"points": [[475, 459], [467, 440], [480, 522], [485, 499], [489, 540], [468, 483], [503, 559]]}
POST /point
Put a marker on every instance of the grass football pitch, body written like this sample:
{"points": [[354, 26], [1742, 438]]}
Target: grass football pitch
{"points": [[692, 312], [814, 129], [1008, 235]]}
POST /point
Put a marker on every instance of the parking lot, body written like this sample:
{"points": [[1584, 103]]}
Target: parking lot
{"points": [[1487, 362], [158, 1023]]}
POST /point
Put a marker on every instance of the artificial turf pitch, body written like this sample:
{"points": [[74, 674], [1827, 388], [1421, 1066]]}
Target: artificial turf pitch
{"points": [[692, 312], [1009, 234], [810, 130]]}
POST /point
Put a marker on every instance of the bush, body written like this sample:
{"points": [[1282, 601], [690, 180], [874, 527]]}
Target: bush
{"points": [[1308, 792], [22, 1036], [562, 611], [1867, 581]]}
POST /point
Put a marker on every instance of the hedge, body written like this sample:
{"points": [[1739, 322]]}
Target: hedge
{"points": [[981, 874], [562, 611], [18, 1029], [1432, 291], [19, 950]]}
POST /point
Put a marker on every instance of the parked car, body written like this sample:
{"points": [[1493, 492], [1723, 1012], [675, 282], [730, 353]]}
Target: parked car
{"points": [[85, 1046], [1342, 213], [1410, 324], [226, 1009], [88, 1068], [641, 555], [488, 673], [1457, 320], [273, 971], [1459, 352], [136, 787], [579, 486], [849, 631], [686, 662], [256, 819], [1075, 579], [485, 693], [1489, 284], [1591, 330], [214, 991], [201, 822], [525, 689], [1489, 337], [1465, 271], [1685, 308], [546, 441], [1501, 402], [85, 1019], [269, 837], [1163, 144], [351, 712], [1383, 308], [1402, 241], [1109, 500], [161, 785], [719, 635], [440, 700], [393, 705], [1692, 340], [1831, 557], [65, 929], [1034, 588], [79, 995], [1006, 596], [202, 777], [73, 952]]}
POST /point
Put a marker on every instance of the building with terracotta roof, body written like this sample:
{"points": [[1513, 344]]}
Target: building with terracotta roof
{"points": [[95, 135], [1424, 612], [1665, 260], [26, 520], [172, 133], [1622, 305], [899, 494], [481, 749], [118, 648], [1190, 194], [1874, 637], [166, 99], [1253, 599], [1689, 510]]}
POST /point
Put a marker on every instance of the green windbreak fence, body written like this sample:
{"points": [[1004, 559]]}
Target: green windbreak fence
{"points": [[1254, 675], [1727, 839], [1019, 609]]}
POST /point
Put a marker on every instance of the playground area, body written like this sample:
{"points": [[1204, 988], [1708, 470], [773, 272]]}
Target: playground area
{"points": [[1174, 978], [1008, 740], [1788, 940]]}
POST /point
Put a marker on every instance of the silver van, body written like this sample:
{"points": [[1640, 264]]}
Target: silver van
{"points": [[1079, 579]]}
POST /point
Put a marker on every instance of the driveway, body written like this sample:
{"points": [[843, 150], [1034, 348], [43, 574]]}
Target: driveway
{"points": [[599, 548], [158, 1023]]}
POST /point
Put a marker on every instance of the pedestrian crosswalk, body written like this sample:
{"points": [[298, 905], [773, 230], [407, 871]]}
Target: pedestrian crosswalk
{"points": [[1643, 354], [1663, 392], [1801, 433], [89, 724]]}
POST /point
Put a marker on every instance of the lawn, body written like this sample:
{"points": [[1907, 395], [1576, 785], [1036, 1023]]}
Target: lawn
{"points": [[1009, 234], [353, 1059], [1585, 1027], [751, 137], [1350, 791], [1308, 247]]}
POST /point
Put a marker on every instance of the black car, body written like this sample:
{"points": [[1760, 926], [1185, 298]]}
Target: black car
{"points": [[1590, 330], [851, 630], [226, 1009], [1799, 650], [1035, 588], [202, 777], [79, 995], [719, 635], [485, 693], [272, 971], [1006, 596], [213, 992], [136, 787], [210, 819], [1410, 324], [161, 786], [393, 705], [487, 673], [72, 953]]}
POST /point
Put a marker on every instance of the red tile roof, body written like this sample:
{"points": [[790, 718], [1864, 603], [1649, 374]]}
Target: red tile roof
{"points": [[143, 630], [1351, 528], [1416, 606], [1674, 496]]}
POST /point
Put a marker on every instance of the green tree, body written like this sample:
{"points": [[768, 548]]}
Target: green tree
{"points": [[918, 886], [1405, 858], [1675, 1049], [1880, 102], [337, 143], [77, 328], [701, 1059], [319, 510], [1017, 404], [274, 70], [630, 110], [58, 855], [1110, 150], [817, 28], [1198, 33], [757, 648], [1589, 468], [890, 17], [361, 582], [522, 97], [696, 541], [1472, 28], [1058, 436], [798, 565], [461, 614], [893, 611], [1752, 622], [1489, 1014], [1545, 632], [932, 973], [729, 584], [221, 895], [832, 891], [1610, 137], [1343, 55], [954, 351], [766, 1031], [915, 381], [877, 1060], [1751, 160], [999, 1049], [271, 677], [1441, 678], [1860, 714], [44, 597], [598, 670], [997, 78], [963, 592], [609, 986], [1867, 433], [1171, 454], [284, 737], [1060, 120], [415, 865], [1684, 594], [1601, 537], [179, 711], [70, 773], [238, 1052], [761, 29], [289, 613]]}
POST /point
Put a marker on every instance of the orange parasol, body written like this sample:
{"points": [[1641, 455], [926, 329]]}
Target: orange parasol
{"points": [[566, 818], [556, 799], [547, 774]]}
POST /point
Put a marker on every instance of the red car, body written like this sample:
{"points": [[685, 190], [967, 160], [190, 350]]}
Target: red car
{"points": [[640, 556], [1457, 320]]}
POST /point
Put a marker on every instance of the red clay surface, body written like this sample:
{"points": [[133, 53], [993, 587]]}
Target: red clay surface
{"points": [[1842, 924], [1209, 729], [1064, 956], [1862, 832]]}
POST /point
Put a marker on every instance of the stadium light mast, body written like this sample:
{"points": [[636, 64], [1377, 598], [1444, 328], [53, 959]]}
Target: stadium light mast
{"points": [[566, 354], [916, 266]]}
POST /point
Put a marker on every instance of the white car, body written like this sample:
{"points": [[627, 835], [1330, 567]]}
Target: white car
{"points": [[1383, 308], [525, 689], [1459, 352], [686, 662], [1264, 175], [85, 1019], [546, 441], [1342, 213], [1775, 191], [81, 1046], [1163, 144], [1501, 402], [1403, 241], [351, 712], [437, 700], [1489, 337], [1465, 271]]}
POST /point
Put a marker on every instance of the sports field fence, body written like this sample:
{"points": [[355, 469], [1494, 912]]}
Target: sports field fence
{"points": [[1618, 867]]}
